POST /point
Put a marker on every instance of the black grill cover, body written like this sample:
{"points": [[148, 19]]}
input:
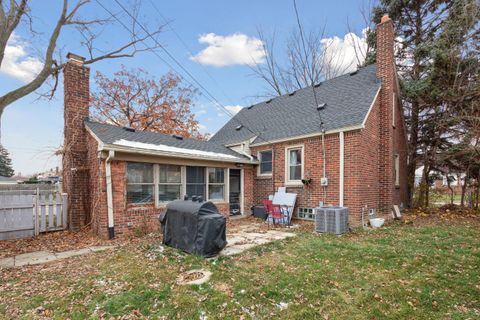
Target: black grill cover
{"points": [[194, 227]]}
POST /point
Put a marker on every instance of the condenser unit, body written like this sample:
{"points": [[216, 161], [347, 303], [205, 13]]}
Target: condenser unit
{"points": [[331, 219]]}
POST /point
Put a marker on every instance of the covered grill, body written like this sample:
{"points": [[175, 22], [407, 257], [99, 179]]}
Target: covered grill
{"points": [[195, 227]]}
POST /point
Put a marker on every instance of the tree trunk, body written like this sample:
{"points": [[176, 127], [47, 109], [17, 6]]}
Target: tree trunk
{"points": [[413, 143]]}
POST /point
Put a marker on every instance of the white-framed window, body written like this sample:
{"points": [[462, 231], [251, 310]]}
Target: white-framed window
{"points": [[265, 158], [162, 183], [196, 182], [397, 169], [216, 184], [169, 182], [294, 164], [140, 186], [394, 107]]}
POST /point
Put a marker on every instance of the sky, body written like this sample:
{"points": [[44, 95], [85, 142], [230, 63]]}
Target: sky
{"points": [[216, 41]]}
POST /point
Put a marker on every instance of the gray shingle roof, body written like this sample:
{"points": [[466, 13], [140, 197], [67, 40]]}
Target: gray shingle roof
{"points": [[348, 98], [109, 134]]}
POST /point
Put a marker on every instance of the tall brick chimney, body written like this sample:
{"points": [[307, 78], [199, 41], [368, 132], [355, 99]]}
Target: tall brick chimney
{"points": [[386, 71], [75, 173]]}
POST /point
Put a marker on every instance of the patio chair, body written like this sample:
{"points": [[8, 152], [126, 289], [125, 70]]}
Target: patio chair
{"points": [[274, 211]]}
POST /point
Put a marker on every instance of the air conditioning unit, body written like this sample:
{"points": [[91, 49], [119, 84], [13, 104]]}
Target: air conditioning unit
{"points": [[331, 219]]}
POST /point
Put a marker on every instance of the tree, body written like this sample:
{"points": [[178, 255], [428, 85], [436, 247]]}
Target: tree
{"points": [[311, 59], [6, 169], [135, 99], [17, 15], [431, 64]]}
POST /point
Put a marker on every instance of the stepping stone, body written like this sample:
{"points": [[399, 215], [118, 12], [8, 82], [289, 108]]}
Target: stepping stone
{"points": [[7, 262], [32, 258]]}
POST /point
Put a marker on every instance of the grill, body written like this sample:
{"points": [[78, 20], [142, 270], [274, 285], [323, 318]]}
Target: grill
{"points": [[194, 227], [331, 219]]}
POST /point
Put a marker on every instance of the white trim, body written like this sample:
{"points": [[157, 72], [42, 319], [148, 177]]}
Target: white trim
{"points": [[260, 163], [310, 135], [99, 142], [108, 177], [242, 189], [289, 182], [342, 168], [171, 154], [156, 180], [370, 109]]}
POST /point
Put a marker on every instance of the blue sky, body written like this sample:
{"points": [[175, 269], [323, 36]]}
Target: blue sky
{"points": [[32, 128]]}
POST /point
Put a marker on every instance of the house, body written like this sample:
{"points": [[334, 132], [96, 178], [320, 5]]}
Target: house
{"points": [[7, 181], [341, 142]]}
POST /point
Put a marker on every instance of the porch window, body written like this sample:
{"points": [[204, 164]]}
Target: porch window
{"points": [[294, 164], [265, 158], [216, 184], [196, 181], [139, 182], [169, 182]]}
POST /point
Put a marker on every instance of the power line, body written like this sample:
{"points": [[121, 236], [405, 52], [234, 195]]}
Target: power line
{"points": [[209, 95]]}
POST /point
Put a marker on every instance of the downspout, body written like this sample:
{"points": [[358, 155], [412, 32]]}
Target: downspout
{"points": [[108, 176], [342, 168]]}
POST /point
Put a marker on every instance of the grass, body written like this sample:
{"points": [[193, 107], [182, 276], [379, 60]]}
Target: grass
{"points": [[399, 272]]}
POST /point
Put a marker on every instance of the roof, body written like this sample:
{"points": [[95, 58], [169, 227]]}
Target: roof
{"points": [[348, 100], [7, 180], [114, 137]]}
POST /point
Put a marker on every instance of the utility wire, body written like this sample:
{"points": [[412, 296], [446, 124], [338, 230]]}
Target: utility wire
{"points": [[213, 99], [216, 103]]}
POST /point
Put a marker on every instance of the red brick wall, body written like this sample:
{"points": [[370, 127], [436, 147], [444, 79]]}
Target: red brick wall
{"points": [[75, 168]]}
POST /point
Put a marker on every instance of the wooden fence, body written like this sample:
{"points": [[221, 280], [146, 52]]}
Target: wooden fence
{"points": [[27, 215]]}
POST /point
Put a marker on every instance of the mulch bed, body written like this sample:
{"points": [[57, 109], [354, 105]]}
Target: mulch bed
{"points": [[57, 241]]}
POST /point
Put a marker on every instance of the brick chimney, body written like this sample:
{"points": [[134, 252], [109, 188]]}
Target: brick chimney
{"points": [[75, 173], [386, 71]]}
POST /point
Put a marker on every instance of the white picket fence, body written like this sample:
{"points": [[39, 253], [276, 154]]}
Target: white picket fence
{"points": [[27, 215]]}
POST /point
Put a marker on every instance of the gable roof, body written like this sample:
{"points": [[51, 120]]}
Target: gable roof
{"points": [[348, 100], [118, 138]]}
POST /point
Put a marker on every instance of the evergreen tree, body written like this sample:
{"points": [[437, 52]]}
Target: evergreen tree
{"points": [[429, 60], [6, 169]]}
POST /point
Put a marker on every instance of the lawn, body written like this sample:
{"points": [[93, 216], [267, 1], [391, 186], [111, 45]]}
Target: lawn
{"points": [[402, 271]]}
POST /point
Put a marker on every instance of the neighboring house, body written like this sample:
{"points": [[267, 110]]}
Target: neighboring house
{"points": [[121, 179], [440, 179], [7, 181]]}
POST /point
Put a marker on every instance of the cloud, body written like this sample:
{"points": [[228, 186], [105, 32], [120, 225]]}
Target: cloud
{"points": [[17, 63], [234, 109], [228, 50], [340, 54]]}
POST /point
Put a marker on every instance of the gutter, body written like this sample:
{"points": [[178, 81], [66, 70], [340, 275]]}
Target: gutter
{"points": [[117, 148], [108, 177], [342, 168]]}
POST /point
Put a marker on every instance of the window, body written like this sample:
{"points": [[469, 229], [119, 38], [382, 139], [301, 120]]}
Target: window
{"points": [[196, 181], [294, 164], [265, 158], [139, 182], [397, 170], [394, 109], [169, 182], [216, 183]]}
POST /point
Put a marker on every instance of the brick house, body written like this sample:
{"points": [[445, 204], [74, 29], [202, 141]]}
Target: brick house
{"points": [[340, 142]]}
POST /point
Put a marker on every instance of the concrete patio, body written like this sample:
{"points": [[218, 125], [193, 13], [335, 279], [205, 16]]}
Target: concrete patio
{"points": [[247, 236]]}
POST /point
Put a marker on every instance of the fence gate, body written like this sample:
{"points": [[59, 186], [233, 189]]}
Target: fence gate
{"points": [[27, 215]]}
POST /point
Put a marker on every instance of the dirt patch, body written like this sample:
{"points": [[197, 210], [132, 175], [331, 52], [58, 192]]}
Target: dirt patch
{"points": [[194, 277], [451, 214], [57, 241]]}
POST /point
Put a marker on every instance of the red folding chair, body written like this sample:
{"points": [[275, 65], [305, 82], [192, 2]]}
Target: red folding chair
{"points": [[273, 210]]}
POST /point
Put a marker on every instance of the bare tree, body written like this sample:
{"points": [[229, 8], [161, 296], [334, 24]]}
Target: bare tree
{"points": [[311, 59], [15, 13]]}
